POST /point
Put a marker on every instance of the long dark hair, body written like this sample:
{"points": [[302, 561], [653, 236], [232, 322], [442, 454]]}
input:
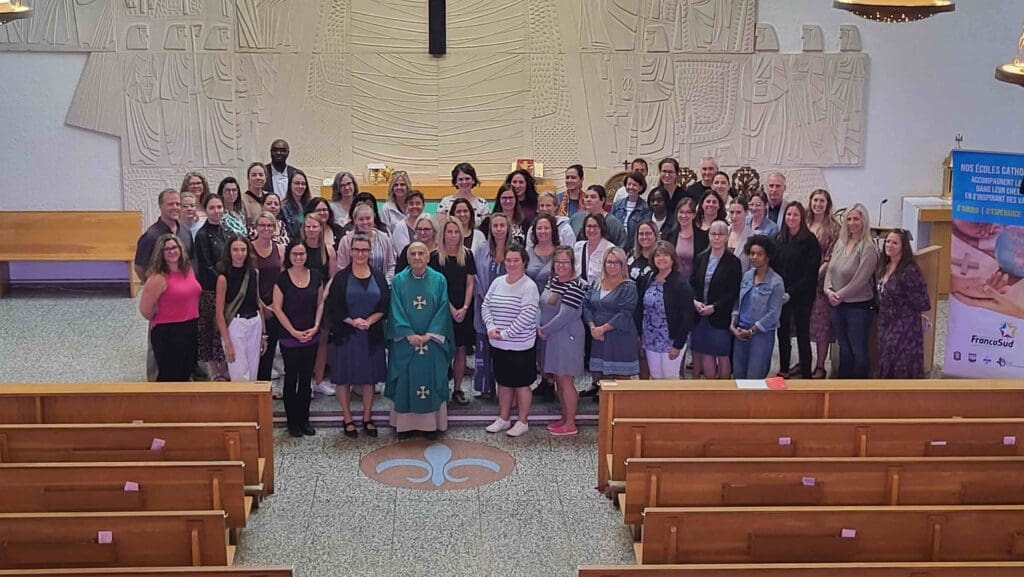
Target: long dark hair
{"points": [[517, 212], [290, 198], [220, 192], [906, 255], [802, 233], [700, 217], [530, 200], [225, 263], [554, 228]]}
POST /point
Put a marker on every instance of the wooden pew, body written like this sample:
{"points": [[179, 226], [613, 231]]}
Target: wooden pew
{"points": [[962, 569], [154, 486], [120, 442], [93, 235], [812, 399], [820, 481], [832, 534], [811, 438], [147, 402], [159, 572], [136, 539]]}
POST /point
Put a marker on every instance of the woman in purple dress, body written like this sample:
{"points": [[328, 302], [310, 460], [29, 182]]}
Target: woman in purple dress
{"points": [[902, 302]]}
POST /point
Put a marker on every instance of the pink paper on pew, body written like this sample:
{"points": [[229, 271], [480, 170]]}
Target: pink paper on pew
{"points": [[105, 537], [1009, 440], [848, 533], [938, 443], [157, 444], [131, 486], [807, 481], [785, 440]]}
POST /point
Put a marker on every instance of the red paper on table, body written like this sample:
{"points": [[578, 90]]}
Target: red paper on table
{"points": [[776, 383]]}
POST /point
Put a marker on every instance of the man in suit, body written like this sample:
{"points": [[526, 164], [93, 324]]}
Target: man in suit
{"points": [[775, 187], [279, 172]]}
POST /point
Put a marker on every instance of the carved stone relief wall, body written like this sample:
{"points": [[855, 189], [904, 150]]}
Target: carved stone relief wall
{"points": [[207, 84]]}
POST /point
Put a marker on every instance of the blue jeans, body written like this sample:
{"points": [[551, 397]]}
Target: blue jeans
{"points": [[851, 323], [751, 359]]}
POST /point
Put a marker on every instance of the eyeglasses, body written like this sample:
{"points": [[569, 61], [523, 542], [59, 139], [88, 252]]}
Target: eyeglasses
{"points": [[171, 248], [716, 234], [614, 262], [361, 250], [563, 262], [425, 229], [264, 225], [323, 209]]}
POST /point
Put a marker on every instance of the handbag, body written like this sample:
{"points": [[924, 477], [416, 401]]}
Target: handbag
{"points": [[236, 303]]}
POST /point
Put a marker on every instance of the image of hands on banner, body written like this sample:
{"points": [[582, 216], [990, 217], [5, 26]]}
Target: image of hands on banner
{"points": [[986, 304]]}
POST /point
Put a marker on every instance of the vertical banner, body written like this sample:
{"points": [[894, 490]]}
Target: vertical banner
{"points": [[984, 335]]}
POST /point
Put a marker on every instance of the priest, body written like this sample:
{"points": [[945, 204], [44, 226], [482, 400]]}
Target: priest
{"points": [[421, 340]]}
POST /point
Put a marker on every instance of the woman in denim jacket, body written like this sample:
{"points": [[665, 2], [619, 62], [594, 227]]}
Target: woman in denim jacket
{"points": [[755, 317]]}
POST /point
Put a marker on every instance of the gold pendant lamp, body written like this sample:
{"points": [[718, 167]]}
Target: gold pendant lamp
{"points": [[895, 11]]}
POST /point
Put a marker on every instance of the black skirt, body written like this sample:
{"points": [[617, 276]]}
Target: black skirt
{"points": [[514, 369]]}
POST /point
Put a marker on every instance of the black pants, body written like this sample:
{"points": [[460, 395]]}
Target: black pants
{"points": [[796, 313], [175, 346], [298, 373], [267, 358]]}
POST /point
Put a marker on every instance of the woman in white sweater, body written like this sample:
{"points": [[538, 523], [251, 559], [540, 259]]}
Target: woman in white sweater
{"points": [[510, 314]]}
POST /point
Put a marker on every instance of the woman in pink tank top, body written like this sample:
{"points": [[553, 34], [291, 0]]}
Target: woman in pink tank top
{"points": [[170, 301]]}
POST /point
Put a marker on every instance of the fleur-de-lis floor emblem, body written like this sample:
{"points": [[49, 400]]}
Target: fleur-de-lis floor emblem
{"points": [[437, 463]]}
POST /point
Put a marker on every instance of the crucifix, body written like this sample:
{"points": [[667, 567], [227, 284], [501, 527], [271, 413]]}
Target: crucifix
{"points": [[437, 27]]}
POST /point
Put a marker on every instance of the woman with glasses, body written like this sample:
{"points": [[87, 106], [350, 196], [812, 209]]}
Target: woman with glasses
{"points": [[758, 220], [269, 261], [716, 277], [590, 251], [664, 314], [233, 218], [321, 210], [426, 232], [170, 302], [608, 313], [344, 188], [561, 335], [272, 206], [507, 204]]}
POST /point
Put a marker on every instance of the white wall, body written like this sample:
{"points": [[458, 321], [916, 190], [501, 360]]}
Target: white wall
{"points": [[928, 81], [47, 165]]}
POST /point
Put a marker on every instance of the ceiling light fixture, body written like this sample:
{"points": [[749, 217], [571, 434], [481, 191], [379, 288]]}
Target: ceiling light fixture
{"points": [[13, 10], [895, 11], [1013, 72]]}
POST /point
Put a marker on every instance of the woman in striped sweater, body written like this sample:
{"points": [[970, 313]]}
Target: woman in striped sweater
{"points": [[510, 314]]}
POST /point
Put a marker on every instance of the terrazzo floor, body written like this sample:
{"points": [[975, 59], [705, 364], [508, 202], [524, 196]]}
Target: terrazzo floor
{"points": [[326, 517]]}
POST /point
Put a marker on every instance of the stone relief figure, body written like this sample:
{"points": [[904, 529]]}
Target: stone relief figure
{"points": [[137, 37], [609, 24], [849, 38], [766, 116], [254, 81], [813, 38], [263, 24], [142, 107], [713, 25], [766, 39], [217, 109], [178, 107], [847, 76], [655, 125]]}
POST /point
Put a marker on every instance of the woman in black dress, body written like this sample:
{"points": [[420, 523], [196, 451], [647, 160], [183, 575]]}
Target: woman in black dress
{"points": [[298, 300], [456, 263], [357, 301]]}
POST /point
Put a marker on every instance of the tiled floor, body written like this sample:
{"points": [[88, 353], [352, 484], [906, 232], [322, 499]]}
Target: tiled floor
{"points": [[327, 518]]}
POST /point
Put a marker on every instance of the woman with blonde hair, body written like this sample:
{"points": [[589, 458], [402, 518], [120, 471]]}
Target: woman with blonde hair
{"points": [[197, 184], [456, 263], [608, 313], [382, 256], [822, 223], [490, 264], [394, 207], [191, 218], [849, 286]]}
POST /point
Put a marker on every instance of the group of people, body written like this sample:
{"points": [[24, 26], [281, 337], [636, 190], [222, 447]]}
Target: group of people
{"points": [[536, 287]]}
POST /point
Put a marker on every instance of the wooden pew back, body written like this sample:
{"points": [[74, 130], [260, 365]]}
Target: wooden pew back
{"points": [[812, 438], [148, 402], [815, 399], [154, 486], [832, 534], [821, 481], [964, 569], [136, 539], [158, 572], [120, 442]]}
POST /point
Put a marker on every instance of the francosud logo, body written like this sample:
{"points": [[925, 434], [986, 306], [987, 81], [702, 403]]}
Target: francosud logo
{"points": [[1005, 340], [437, 465]]}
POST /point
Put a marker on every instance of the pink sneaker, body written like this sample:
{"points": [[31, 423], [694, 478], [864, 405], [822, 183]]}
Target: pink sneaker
{"points": [[564, 430], [555, 425]]}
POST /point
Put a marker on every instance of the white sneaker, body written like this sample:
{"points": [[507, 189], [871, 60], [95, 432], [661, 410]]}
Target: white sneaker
{"points": [[498, 426], [325, 388], [518, 429]]}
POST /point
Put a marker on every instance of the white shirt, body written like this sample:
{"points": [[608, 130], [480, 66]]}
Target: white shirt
{"points": [[280, 180]]}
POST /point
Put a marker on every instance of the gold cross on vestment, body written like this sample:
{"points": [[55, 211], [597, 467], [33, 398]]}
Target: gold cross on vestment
{"points": [[423, 392], [419, 302], [421, 349]]}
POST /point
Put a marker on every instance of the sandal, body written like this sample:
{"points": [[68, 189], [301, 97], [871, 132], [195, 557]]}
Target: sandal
{"points": [[819, 373], [350, 430], [369, 428]]}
